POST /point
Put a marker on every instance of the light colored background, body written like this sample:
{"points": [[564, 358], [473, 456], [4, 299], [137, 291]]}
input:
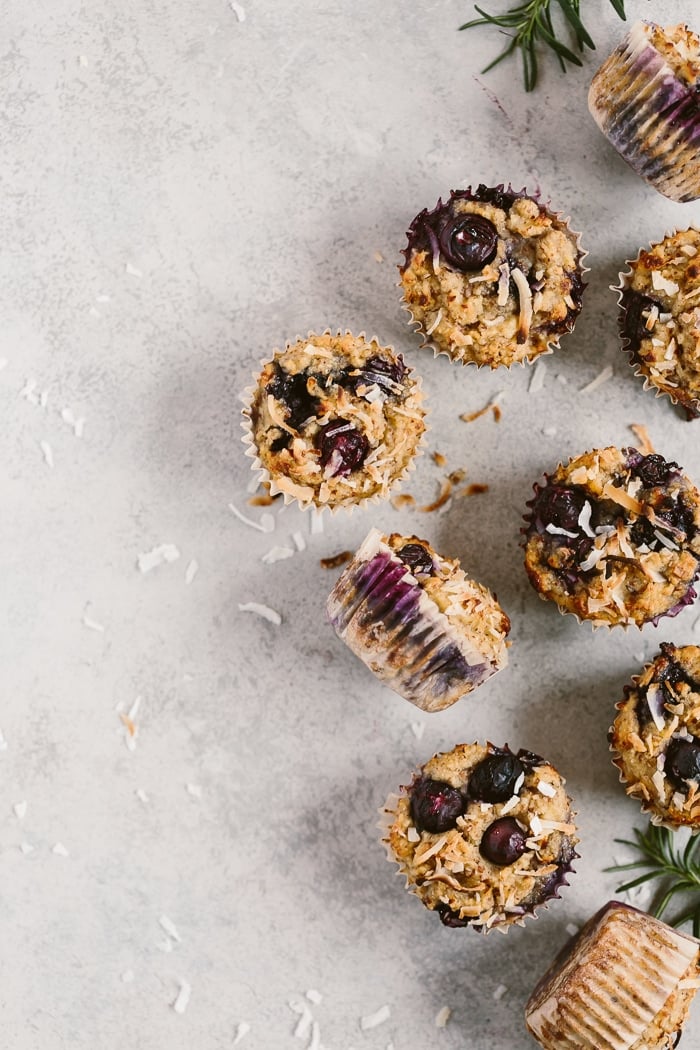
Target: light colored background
{"points": [[183, 191]]}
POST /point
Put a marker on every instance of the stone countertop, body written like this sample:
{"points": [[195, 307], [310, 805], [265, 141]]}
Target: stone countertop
{"points": [[188, 793]]}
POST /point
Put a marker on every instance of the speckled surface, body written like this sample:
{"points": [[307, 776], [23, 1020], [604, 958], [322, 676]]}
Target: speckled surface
{"points": [[183, 191]]}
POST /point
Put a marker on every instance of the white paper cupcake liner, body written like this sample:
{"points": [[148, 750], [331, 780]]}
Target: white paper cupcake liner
{"points": [[387, 619], [552, 344], [649, 115], [289, 490]]}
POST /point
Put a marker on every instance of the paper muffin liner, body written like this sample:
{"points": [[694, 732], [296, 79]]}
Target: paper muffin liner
{"points": [[647, 806], [500, 921], [381, 612], [265, 478], [553, 343], [649, 115], [687, 599], [678, 397], [612, 981]]}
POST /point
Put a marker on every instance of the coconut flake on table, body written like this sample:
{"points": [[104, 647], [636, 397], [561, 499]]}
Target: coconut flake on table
{"points": [[442, 1017], [191, 571], [91, 624], [242, 1029], [238, 10], [3, 363], [3, 742], [127, 977], [183, 997], [277, 554], [537, 378], [299, 541], [170, 928], [163, 554], [549, 431], [375, 1019], [418, 728], [20, 810], [28, 392], [572, 929], [141, 795], [315, 1040], [194, 790], [47, 453], [602, 377], [303, 1025], [499, 992], [26, 848], [132, 270], [60, 850], [266, 523], [261, 610], [313, 996]]}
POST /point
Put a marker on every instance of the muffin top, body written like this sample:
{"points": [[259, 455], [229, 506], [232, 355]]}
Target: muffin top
{"points": [[614, 537], [335, 419], [483, 835], [492, 277], [660, 316], [656, 736]]}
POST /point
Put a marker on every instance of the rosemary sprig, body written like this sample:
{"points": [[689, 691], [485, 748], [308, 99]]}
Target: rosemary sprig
{"points": [[530, 23], [679, 867]]}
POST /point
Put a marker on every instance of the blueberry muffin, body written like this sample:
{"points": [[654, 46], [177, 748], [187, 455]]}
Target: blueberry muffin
{"points": [[334, 420], [492, 276], [614, 537], [417, 621], [624, 982], [656, 737], [660, 317], [484, 836], [645, 98]]}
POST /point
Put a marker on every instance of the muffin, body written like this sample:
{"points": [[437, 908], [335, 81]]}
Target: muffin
{"points": [[656, 737], [492, 276], [334, 420], [414, 618], [484, 836], [645, 98], [614, 537], [659, 317], [624, 982]]}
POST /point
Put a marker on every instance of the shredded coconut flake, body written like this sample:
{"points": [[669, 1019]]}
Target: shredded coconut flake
{"points": [[316, 523], [60, 850], [183, 997], [132, 270], [549, 431], [510, 804], [3, 363], [442, 1017], [128, 976], [661, 284], [242, 1030], [413, 835], [191, 571], [47, 453], [238, 10], [92, 625], [26, 848], [277, 554], [261, 610], [525, 297], [141, 795], [374, 1020], [169, 927], [165, 553], [572, 929], [20, 810], [418, 728], [499, 992], [665, 540], [313, 996], [602, 377], [659, 782], [3, 742], [266, 523], [546, 789], [537, 378], [299, 541], [435, 323], [584, 520], [556, 531], [194, 790]]}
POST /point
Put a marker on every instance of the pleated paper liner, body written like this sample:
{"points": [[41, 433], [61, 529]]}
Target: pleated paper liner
{"points": [[649, 114], [662, 812], [502, 919], [626, 979], [426, 330], [686, 599], [307, 496], [678, 396], [379, 609]]}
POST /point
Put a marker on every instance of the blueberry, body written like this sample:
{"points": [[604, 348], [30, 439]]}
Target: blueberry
{"points": [[494, 779], [342, 446], [503, 842], [468, 242], [678, 515], [653, 470], [292, 393], [450, 918], [435, 805], [634, 313], [417, 558], [642, 532], [558, 506], [683, 761], [383, 369]]}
